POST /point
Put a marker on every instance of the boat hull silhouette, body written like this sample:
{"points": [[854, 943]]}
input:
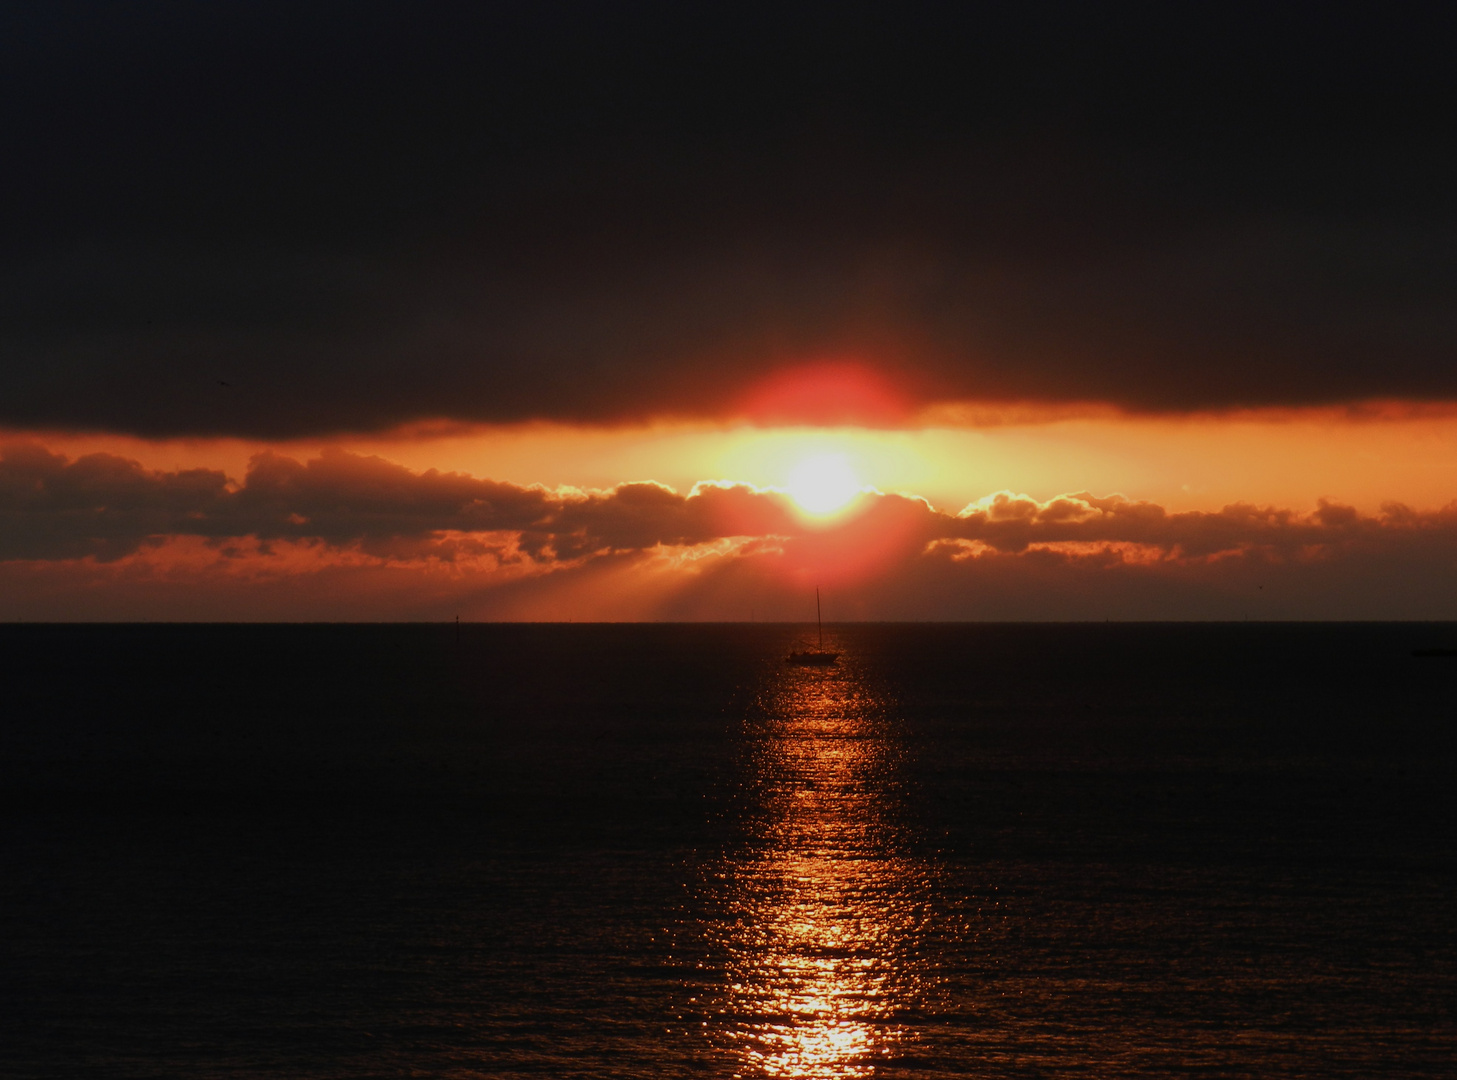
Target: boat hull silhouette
{"points": [[816, 657]]}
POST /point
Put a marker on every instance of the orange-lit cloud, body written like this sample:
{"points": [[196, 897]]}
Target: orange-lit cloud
{"points": [[1366, 456], [95, 529]]}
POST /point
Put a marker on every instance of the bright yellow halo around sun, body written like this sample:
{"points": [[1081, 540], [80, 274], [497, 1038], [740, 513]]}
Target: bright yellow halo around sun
{"points": [[823, 483]]}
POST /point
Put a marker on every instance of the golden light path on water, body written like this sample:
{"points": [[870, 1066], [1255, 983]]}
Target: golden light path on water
{"points": [[821, 906]]}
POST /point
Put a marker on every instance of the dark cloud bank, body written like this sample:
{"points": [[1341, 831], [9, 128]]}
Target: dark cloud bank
{"points": [[64, 523], [358, 215]]}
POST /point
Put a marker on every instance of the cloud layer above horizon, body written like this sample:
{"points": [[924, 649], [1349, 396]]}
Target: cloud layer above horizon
{"points": [[344, 535]]}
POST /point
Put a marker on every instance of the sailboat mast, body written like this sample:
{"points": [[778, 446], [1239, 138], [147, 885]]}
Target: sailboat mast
{"points": [[820, 626]]}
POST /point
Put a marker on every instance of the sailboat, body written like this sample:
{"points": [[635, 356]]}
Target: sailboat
{"points": [[816, 657]]}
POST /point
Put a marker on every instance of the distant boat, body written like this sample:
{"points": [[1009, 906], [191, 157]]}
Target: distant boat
{"points": [[814, 657]]}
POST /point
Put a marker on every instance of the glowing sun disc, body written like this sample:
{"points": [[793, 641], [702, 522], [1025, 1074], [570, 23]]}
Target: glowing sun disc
{"points": [[823, 484]]}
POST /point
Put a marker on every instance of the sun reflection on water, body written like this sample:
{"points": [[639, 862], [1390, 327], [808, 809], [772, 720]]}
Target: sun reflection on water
{"points": [[820, 905]]}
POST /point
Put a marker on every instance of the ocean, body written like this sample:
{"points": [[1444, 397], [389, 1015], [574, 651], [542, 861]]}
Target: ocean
{"points": [[656, 850]]}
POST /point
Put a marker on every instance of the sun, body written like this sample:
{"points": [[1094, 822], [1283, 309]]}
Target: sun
{"points": [[823, 483]]}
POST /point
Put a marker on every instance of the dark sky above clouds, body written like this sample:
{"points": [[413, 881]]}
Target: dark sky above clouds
{"points": [[365, 214]]}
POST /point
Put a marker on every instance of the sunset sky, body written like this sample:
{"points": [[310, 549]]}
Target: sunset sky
{"points": [[664, 311]]}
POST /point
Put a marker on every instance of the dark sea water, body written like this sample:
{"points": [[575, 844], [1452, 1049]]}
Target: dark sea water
{"points": [[622, 851]]}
